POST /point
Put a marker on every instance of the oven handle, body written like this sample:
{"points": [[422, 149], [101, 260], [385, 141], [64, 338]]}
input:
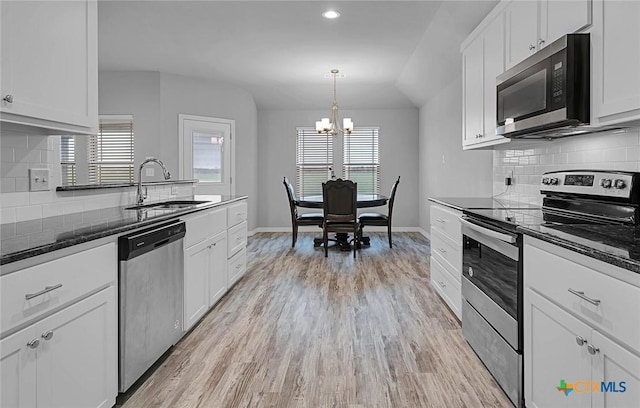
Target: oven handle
{"points": [[508, 238]]}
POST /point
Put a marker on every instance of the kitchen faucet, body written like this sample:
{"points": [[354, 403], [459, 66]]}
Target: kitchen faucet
{"points": [[167, 176]]}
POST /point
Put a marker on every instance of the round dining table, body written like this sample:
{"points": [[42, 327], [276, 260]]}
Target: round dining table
{"points": [[362, 201]]}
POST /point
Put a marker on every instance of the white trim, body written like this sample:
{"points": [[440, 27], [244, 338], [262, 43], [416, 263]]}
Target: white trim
{"points": [[231, 122]]}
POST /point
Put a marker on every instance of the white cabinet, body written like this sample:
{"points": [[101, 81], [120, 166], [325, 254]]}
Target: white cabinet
{"points": [[615, 42], [446, 255], [68, 359], [49, 64], [61, 344], [532, 25], [483, 61], [588, 337], [214, 257]]}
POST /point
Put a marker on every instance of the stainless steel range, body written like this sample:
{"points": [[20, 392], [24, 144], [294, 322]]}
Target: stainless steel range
{"points": [[492, 287]]}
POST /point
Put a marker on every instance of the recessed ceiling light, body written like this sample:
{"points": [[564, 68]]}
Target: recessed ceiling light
{"points": [[331, 14]]}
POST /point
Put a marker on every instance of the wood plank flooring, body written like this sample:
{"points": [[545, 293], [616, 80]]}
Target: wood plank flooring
{"points": [[302, 330]]}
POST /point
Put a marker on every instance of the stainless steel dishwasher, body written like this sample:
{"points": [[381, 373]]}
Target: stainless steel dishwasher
{"points": [[151, 282]]}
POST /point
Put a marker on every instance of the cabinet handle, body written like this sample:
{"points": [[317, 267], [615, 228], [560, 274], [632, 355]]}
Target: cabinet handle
{"points": [[441, 221], [580, 340], [8, 98], [47, 335], [592, 349], [532, 47], [581, 295], [442, 284], [46, 289], [442, 250], [540, 42], [33, 343]]}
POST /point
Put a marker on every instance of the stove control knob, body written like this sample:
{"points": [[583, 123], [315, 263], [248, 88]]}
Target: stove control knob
{"points": [[546, 181], [619, 184], [605, 183], [554, 181]]}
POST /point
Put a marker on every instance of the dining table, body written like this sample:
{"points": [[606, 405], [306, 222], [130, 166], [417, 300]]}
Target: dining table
{"points": [[362, 201]]}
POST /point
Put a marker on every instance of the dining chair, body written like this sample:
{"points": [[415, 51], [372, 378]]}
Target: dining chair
{"points": [[339, 199], [379, 219], [299, 219]]}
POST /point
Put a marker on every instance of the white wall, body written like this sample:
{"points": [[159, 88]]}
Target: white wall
{"points": [[276, 158], [155, 99], [529, 160], [445, 169]]}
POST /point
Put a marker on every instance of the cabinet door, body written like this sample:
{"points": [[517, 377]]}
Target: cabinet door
{"points": [[218, 269], [552, 354], [18, 370], [616, 60], [493, 66], [522, 30], [614, 364], [196, 282], [473, 92], [560, 17], [77, 357], [49, 61]]}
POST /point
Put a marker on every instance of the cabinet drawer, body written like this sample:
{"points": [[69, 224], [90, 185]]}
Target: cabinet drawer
{"points": [[204, 225], [617, 311], [237, 266], [447, 252], [447, 221], [236, 238], [236, 214], [74, 276], [448, 289]]}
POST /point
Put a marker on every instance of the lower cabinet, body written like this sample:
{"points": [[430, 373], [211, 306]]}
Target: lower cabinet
{"points": [[68, 359]]}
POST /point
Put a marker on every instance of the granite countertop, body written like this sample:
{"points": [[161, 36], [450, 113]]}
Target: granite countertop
{"points": [[618, 245], [478, 203], [24, 239]]}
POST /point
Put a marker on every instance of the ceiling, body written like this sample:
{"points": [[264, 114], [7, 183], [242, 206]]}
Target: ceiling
{"points": [[279, 51]]}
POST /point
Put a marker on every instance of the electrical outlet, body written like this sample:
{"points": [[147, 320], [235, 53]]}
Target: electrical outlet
{"points": [[174, 190], [38, 179]]}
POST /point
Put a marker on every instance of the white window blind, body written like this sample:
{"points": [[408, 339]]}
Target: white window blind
{"points": [[68, 159], [314, 160], [362, 159], [111, 151]]}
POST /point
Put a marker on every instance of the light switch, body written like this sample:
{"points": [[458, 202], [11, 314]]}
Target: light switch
{"points": [[38, 179]]}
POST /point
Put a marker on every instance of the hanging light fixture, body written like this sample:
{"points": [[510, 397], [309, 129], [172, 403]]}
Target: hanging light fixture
{"points": [[331, 126]]}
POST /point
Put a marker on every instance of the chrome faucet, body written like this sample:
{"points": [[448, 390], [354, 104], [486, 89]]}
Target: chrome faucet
{"points": [[167, 176]]}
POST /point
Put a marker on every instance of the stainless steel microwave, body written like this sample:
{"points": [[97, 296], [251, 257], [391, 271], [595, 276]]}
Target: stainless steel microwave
{"points": [[547, 94]]}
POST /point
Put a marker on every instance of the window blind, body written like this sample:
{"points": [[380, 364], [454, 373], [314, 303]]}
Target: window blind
{"points": [[68, 159], [111, 151], [314, 160], [361, 162]]}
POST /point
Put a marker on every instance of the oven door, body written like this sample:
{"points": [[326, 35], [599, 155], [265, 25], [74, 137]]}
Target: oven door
{"points": [[490, 268]]}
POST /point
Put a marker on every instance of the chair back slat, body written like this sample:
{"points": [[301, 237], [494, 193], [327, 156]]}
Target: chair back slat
{"points": [[340, 200]]}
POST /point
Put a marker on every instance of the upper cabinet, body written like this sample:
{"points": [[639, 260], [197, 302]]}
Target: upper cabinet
{"points": [[615, 41], [49, 65], [483, 61], [532, 25]]}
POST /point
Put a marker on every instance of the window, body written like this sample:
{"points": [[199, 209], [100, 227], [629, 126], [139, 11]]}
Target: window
{"points": [[314, 160], [111, 151], [68, 159], [361, 162]]}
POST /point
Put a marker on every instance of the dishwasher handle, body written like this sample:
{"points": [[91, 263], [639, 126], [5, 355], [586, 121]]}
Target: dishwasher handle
{"points": [[146, 240]]}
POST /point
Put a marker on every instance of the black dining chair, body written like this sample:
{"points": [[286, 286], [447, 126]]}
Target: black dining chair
{"points": [[379, 219], [299, 219], [340, 199]]}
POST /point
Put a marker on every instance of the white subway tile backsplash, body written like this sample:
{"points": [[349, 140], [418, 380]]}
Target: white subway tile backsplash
{"points": [[7, 185], [7, 215], [70, 207], [7, 156], [30, 212], [51, 210], [14, 139], [22, 184], [14, 200], [27, 155], [38, 142]]}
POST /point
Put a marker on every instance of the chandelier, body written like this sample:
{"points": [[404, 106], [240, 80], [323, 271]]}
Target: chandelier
{"points": [[331, 126]]}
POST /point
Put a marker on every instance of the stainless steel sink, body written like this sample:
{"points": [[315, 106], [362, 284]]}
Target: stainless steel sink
{"points": [[167, 205]]}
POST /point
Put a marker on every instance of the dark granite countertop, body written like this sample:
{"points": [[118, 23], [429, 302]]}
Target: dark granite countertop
{"points": [[77, 187], [618, 245], [24, 239], [478, 203]]}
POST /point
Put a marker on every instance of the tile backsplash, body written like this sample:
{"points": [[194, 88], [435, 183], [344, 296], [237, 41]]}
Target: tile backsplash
{"points": [[528, 160], [21, 151]]}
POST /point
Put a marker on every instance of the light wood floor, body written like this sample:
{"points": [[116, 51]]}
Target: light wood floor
{"points": [[302, 330]]}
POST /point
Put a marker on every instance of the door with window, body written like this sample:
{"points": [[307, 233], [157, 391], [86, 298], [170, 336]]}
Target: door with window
{"points": [[206, 153]]}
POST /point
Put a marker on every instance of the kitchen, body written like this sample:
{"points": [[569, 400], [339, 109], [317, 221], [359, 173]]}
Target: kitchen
{"points": [[421, 110]]}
